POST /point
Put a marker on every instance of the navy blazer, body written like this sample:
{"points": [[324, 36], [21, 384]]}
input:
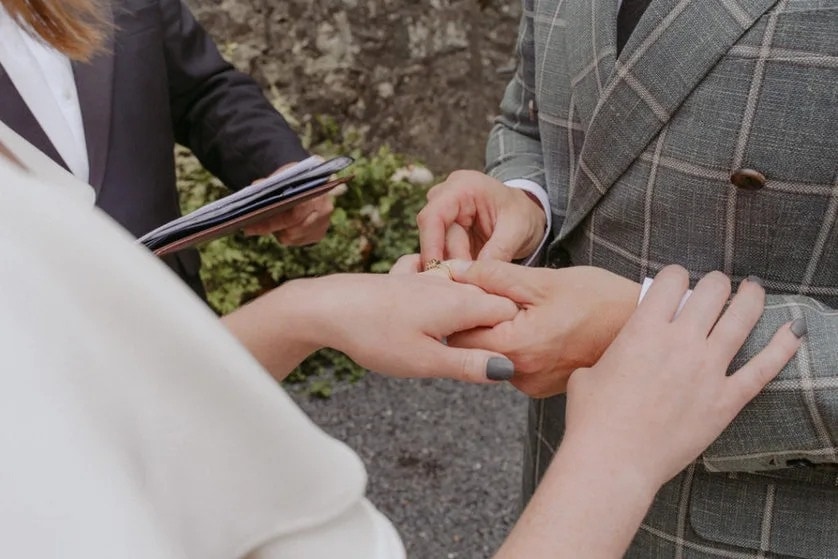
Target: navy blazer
{"points": [[162, 80]]}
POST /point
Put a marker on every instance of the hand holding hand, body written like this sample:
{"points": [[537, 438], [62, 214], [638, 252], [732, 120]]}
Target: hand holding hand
{"points": [[388, 323], [472, 215], [653, 402], [568, 317]]}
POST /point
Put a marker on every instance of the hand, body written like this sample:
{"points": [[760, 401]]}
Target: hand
{"points": [[472, 215], [394, 324], [568, 317], [305, 224], [659, 395], [390, 324], [655, 400]]}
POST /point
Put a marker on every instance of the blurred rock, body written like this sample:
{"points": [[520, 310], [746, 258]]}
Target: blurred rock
{"points": [[420, 76]]}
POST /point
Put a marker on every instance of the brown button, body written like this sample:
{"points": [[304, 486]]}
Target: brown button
{"points": [[747, 179]]}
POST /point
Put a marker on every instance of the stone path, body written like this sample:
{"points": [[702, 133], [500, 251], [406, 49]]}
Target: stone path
{"points": [[444, 458]]}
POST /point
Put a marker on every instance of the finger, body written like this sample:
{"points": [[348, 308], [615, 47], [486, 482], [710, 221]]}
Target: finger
{"points": [[519, 283], [735, 325], [539, 386], [311, 231], [310, 223], [433, 222], [457, 243], [467, 365], [272, 224], [748, 381], [664, 297], [702, 309], [440, 272], [482, 337], [466, 307], [407, 264], [503, 244]]}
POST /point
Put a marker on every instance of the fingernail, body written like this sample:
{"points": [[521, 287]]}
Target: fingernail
{"points": [[799, 327], [459, 267], [754, 279], [499, 368]]}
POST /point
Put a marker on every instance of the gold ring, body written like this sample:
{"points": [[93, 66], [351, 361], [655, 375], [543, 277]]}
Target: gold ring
{"points": [[434, 264]]}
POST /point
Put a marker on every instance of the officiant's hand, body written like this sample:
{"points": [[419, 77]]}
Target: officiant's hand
{"points": [[568, 318], [305, 224]]}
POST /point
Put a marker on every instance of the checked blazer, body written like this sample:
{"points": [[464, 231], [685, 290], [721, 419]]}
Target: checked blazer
{"points": [[711, 141]]}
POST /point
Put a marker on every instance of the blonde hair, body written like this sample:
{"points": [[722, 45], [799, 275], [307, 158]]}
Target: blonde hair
{"points": [[77, 28]]}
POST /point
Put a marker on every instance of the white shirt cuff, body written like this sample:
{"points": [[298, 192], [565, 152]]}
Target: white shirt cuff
{"points": [[647, 283], [536, 190]]}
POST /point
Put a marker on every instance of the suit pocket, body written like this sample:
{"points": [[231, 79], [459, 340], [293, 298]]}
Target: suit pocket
{"points": [[775, 516]]}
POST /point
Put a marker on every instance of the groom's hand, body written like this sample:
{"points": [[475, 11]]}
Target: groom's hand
{"points": [[472, 215], [568, 319]]}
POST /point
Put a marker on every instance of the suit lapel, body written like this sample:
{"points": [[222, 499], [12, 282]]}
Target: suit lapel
{"points": [[591, 48], [16, 115], [94, 83], [675, 44]]}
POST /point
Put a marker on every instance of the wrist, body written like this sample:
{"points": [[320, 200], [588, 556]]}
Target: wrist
{"points": [[596, 459], [301, 306], [619, 301], [530, 205]]}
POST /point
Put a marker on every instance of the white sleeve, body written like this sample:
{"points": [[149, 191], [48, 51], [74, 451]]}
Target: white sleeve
{"points": [[536, 190], [647, 283], [362, 532]]}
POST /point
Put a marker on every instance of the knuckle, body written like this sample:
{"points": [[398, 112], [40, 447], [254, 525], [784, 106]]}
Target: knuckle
{"points": [[460, 175]]}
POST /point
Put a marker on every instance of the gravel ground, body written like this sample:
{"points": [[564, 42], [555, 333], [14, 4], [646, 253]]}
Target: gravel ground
{"points": [[444, 458]]}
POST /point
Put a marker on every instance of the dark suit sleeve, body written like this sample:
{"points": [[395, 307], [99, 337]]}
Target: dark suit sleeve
{"points": [[219, 112]]}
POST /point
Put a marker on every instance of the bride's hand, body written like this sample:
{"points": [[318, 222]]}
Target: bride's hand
{"points": [[394, 324]]}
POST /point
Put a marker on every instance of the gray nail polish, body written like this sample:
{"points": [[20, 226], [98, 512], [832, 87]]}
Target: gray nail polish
{"points": [[499, 368], [754, 279], [799, 327]]}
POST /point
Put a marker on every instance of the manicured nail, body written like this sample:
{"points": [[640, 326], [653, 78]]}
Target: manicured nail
{"points": [[754, 279], [499, 368], [799, 327]]}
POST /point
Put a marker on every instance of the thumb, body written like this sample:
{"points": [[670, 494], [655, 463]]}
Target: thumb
{"points": [[508, 239], [468, 365], [512, 281]]}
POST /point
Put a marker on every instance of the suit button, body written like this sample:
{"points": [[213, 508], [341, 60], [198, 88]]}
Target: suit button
{"points": [[747, 179]]}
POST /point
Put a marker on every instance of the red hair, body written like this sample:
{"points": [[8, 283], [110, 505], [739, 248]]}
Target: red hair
{"points": [[75, 27]]}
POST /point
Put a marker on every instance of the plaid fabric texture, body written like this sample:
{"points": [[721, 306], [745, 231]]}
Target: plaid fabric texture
{"points": [[636, 154]]}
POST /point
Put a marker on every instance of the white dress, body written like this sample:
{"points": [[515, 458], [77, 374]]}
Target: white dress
{"points": [[132, 424]]}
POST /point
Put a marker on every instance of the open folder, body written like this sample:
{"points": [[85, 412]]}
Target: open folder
{"points": [[261, 200]]}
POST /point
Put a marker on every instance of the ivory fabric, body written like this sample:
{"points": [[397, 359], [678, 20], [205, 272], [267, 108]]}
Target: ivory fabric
{"points": [[132, 424]]}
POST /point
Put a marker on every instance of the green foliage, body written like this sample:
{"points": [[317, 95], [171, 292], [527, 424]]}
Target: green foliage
{"points": [[372, 225]]}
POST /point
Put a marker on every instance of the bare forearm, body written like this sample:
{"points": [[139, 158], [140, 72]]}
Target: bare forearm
{"points": [[273, 328], [587, 505]]}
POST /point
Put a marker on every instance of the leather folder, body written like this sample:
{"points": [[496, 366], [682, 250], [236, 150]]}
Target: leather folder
{"points": [[260, 201]]}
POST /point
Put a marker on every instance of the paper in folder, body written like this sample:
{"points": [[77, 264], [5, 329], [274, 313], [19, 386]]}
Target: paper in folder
{"points": [[261, 200]]}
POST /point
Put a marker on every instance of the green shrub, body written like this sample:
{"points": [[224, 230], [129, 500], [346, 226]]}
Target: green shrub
{"points": [[372, 225]]}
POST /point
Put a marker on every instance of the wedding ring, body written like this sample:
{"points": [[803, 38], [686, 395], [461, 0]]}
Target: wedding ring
{"points": [[434, 264]]}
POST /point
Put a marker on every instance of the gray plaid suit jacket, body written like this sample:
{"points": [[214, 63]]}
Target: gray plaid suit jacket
{"points": [[636, 153]]}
